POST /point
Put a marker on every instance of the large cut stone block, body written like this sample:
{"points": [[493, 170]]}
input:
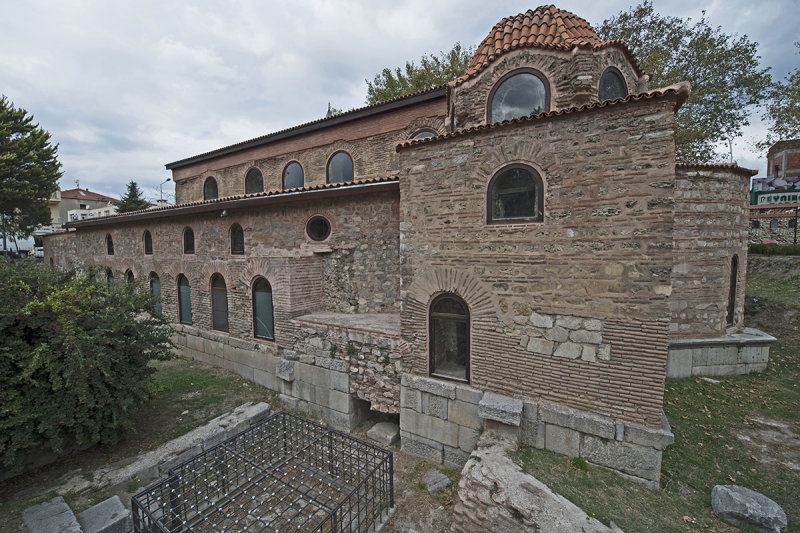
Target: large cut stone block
{"points": [[430, 385], [500, 408], [464, 414], [47, 517], [434, 405], [429, 427], [640, 461], [562, 440], [285, 370], [411, 399], [679, 363], [385, 433], [108, 516], [421, 447], [582, 422]]}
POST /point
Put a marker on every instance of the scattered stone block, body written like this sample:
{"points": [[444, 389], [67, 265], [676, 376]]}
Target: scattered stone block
{"points": [[285, 370], [743, 507], [108, 516], [434, 480], [501, 408], [386, 433], [51, 516]]}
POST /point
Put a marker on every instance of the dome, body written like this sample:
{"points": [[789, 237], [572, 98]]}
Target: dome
{"points": [[545, 27]]}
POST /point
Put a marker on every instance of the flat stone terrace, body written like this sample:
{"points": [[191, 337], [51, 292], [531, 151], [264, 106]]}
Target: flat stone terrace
{"points": [[382, 324]]}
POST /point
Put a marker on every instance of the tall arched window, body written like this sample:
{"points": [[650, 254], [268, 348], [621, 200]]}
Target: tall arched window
{"points": [[732, 290], [184, 300], [148, 243], [237, 239], [129, 276], [340, 168], [293, 175], [515, 195], [519, 94], [188, 240], [449, 337], [109, 245], [263, 316], [155, 290], [219, 303], [612, 85], [210, 189], [253, 181], [109, 277]]}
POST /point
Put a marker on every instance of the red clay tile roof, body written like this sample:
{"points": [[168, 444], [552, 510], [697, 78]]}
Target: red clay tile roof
{"points": [[680, 89], [86, 194], [717, 166], [544, 27], [226, 199]]}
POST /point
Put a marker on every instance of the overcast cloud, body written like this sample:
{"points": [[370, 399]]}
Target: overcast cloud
{"points": [[125, 87]]}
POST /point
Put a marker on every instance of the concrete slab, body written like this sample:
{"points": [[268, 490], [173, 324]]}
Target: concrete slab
{"points": [[386, 433], [108, 516], [52, 516]]}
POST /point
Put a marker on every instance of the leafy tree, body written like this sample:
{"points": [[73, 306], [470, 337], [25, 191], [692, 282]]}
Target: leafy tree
{"points": [[783, 109], [29, 169], [73, 358], [132, 200], [431, 72], [724, 71]]}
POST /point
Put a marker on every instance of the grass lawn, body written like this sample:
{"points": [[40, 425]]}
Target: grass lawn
{"points": [[185, 394], [730, 433]]}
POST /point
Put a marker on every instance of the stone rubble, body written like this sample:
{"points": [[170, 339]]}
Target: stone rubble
{"points": [[743, 507]]}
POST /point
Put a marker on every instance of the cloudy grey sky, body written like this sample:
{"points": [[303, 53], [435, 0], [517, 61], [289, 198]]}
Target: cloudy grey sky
{"points": [[125, 87]]}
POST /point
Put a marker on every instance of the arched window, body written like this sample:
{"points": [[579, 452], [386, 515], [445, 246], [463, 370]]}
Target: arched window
{"points": [[253, 181], [210, 189], [612, 85], [449, 337], [219, 303], [237, 239], [129, 276], [340, 168], [184, 300], [519, 94], [109, 277], [732, 290], [263, 316], [148, 243], [773, 224], [515, 195], [756, 224], [424, 134], [155, 290], [109, 245], [293, 175], [188, 240]]}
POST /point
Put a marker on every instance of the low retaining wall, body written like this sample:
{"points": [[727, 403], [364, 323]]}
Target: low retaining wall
{"points": [[739, 353], [442, 421]]}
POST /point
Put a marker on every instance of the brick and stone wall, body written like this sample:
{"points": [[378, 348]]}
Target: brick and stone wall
{"points": [[600, 261], [776, 224], [711, 226], [573, 80]]}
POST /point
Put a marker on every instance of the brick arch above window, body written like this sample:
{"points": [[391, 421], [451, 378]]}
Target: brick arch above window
{"points": [[210, 268], [274, 273], [433, 282]]}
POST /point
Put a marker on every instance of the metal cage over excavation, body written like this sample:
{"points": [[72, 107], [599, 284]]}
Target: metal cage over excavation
{"points": [[283, 474]]}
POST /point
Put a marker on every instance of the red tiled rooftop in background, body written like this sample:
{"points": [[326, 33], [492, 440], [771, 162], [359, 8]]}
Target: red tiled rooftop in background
{"points": [[85, 194]]}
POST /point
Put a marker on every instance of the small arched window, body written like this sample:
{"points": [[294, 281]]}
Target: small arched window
{"points": [[184, 300], [109, 245], [519, 94], [129, 276], [756, 224], [155, 290], [612, 85], [188, 240], [449, 337], [773, 224], [732, 290], [219, 303], [340, 168], [263, 315], [515, 195], [293, 176], [424, 134], [253, 181], [210, 189], [237, 239], [148, 243]]}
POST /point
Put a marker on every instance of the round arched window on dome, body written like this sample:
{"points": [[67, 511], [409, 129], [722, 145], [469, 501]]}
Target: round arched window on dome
{"points": [[253, 181], [515, 195], [424, 134], [293, 176], [340, 168], [523, 92], [612, 85]]}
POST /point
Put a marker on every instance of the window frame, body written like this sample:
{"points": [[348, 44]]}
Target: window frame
{"points": [[538, 186], [148, 242], [109, 244], [302, 175], [233, 227], [618, 72], [181, 318], [328, 167], [210, 179], [187, 251], [511, 74], [256, 281], [216, 293], [466, 319], [247, 177]]}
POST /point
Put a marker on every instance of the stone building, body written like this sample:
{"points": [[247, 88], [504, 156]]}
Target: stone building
{"points": [[775, 199], [517, 248]]}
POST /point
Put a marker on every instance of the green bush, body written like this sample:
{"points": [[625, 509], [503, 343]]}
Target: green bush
{"points": [[775, 249], [73, 358]]}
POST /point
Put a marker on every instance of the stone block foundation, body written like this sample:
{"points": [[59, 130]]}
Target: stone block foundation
{"points": [[738, 353], [441, 421]]}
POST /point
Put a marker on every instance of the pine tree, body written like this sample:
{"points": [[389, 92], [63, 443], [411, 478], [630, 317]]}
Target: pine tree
{"points": [[132, 200]]}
